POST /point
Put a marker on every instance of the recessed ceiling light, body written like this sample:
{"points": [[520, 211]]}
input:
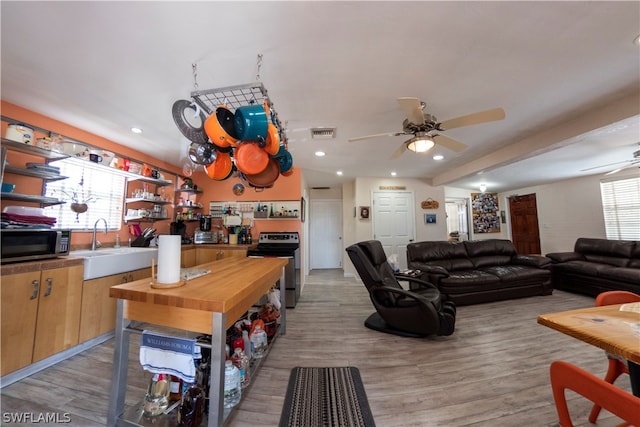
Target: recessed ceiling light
{"points": [[320, 153], [339, 173], [636, 41], [136, 130], [393, 174], [438, 157]]}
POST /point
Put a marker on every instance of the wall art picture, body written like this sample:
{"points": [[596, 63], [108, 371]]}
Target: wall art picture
{"points": [[486, 214], [364, 212], [430, 218]]}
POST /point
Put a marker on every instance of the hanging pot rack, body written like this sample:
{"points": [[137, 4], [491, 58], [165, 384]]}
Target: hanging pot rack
{"points": [[236, 96]]}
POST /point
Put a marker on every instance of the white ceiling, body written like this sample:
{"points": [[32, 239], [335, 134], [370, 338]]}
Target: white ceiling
{"points": [[566, 73]]}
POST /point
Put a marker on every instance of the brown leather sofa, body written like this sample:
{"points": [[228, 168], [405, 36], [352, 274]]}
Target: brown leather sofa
{"points": [[472, 272], [597, 265]]}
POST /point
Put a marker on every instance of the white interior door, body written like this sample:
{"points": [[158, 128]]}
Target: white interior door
{"points": [[394, 222], [325, 243]]}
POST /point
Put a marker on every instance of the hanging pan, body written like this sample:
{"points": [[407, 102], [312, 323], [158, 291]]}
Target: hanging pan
{"points": [[266, 178], [221, 168], [202, 153], [220, 129], [250, 158], [273, 140], [189, 119]]}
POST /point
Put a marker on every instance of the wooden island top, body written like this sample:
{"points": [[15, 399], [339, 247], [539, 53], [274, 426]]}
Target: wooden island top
{"points": [[233, 285]]}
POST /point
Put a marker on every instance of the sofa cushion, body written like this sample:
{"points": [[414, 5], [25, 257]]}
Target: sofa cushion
{"points": [[450, 255], [518, 273], [487, 261], [629, 275], [613, 252], [471, 279], [580, 267], [493, 247]]}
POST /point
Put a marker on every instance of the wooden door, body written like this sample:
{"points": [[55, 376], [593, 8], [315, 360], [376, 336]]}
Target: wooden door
{"points": [[19, 305], [525, 232], [58, 321]]}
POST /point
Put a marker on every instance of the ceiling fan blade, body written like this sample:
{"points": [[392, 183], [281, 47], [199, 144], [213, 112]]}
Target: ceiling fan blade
{"points": [[633, 164], [412, 109], [377, 135], [473, 119], [450, 143], [401, 149], [604, 166]]}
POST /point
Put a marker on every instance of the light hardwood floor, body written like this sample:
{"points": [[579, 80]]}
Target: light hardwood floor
{"points": [[493, 371]]}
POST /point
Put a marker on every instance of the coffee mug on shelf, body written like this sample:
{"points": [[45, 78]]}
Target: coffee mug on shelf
{"points": [[96, 158]]}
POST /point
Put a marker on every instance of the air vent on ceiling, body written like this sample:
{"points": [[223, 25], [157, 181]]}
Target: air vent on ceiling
{"points": [[323, 133], [321, 188]]}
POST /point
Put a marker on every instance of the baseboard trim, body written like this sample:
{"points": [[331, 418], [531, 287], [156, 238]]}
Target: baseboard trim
{"points": [[29, 370]]}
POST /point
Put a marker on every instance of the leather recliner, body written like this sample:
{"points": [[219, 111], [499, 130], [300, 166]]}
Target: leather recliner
{"points": [[418, 312]]}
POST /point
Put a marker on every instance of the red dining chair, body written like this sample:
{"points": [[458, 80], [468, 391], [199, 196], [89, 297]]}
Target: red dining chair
{"points": [[617, 366], [615, 400]]}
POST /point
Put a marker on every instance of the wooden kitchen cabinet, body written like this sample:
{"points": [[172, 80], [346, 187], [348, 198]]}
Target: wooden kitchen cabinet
{"points": [[98, 312], [188, 258], [19, 306], [208, 254], [40, 315]]}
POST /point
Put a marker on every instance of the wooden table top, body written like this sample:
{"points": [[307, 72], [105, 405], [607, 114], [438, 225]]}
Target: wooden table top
{"points": [[606, 327], [232, 281]]}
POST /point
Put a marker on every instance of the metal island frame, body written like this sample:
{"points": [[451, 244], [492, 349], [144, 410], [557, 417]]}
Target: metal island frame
{"points": [[208, 304]]}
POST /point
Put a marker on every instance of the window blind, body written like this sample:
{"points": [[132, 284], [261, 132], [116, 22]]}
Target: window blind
{"points": [[101, 189], [621, 208]]}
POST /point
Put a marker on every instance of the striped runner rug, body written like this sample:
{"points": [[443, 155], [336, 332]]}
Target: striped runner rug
{"points": [[326, 397]]}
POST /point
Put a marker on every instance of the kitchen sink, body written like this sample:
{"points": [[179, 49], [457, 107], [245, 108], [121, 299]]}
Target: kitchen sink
{"points": [[108, 261]]}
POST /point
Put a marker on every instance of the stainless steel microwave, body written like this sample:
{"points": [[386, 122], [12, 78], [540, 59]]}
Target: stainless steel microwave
{"points": [[26, 244]]}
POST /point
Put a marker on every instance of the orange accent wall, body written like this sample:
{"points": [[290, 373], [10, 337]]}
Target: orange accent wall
{"points": [[285, 188]]}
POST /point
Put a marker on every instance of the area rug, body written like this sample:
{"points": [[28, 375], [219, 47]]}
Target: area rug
{"points": [[324, 397]]}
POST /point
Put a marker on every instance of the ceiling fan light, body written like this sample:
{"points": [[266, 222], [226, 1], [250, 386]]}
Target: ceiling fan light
{"points": [[420, 144]]}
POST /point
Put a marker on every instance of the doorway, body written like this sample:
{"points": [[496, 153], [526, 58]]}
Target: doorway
{"points": [[525, 232], [394, 222], [325, 221], [457, 210]]}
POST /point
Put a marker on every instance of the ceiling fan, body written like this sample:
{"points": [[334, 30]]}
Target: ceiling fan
{"points": [[425, 128], [630, 163]]}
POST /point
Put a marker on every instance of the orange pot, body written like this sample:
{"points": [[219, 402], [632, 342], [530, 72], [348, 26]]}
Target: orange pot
{"points": [[220, 129], [221, 167], [250, 158], [273, 140]]}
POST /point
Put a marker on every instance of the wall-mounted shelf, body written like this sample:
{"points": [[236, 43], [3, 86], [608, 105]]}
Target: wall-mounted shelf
{"points": [[32, 149], [46, 176], [140, 199], [44, 201], [9, 145]]}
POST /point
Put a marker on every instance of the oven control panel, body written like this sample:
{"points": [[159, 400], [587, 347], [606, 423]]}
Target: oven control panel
{"points": [[279, 237]]}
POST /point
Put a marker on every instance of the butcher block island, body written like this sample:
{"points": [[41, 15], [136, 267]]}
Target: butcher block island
{"points": [[209, 304]]}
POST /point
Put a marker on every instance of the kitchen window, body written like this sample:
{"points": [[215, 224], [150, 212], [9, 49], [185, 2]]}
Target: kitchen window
{"points": [[88, 185], [621, 207]]}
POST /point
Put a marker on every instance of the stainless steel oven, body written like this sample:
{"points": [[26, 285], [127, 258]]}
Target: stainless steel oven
{"points": [[26, 244], [281, 245]]}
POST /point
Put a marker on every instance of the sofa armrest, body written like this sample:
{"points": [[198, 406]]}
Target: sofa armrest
{"points": [[557, 257], [427, 269], [415, 279], [531, 260]]}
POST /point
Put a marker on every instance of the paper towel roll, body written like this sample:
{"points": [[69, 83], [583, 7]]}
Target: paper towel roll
{"points": [[169, 258]]}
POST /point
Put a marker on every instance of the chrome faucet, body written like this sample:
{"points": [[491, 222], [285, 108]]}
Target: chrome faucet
{"points": [[94, 243]]}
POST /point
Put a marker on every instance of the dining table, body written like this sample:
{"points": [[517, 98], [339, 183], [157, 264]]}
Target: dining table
{"points": [[613, 328]]}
